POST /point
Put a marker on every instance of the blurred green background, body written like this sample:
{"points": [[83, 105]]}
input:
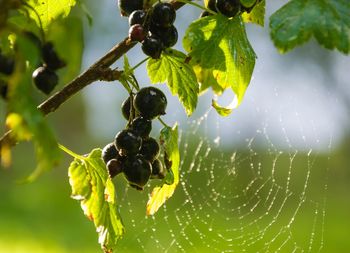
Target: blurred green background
{"points": [[272, 177]]}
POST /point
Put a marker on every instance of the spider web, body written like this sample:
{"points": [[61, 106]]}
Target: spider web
{"points": [[249, 199], [253, 182]]}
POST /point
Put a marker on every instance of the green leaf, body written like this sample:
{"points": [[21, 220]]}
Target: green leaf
{"points": [[220, 44], [206, 80], [25, 120], [71, 50], [93, 187], [169, 142], [127, 78], [49, 10], [326, 20], [257, 15], [174, 69], [222, 110]]}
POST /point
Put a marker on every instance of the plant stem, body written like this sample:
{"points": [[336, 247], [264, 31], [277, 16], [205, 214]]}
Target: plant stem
{"points": [[70, 152], [42, 33], [163, 123], [139, 64], [198, 6]]}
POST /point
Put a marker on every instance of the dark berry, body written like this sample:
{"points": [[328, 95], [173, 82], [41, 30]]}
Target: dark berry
{"points": [[126, 108], [152, 46], [114, 167], [128, 6], [150, 149], [109, 152], [150, 102], [158, 171], [45, 79], [137, 170], [229, 8], [167, 35], [7, 65], [127, 142], [137, 33], [137, 17], [50, 57], [141, 126], [3, 89], [163, 14], [211, 5]]}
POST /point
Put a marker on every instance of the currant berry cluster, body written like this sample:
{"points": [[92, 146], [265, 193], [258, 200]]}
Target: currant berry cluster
{"points": [[45, 77], [154, 28], [229, 8], [133, 152]]}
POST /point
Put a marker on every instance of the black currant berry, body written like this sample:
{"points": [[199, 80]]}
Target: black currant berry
{"points": [[50, 57], [126, 108], [152, 46], [127, 142], [109, 152], [150, 149], [114, 167], [141, 126], [158, 171], [137, 170], [3, 89], [7, 65], [229, 8], [128, 6], [167, 35], [150, 102], [137, 33], [45, 79], [211, 5], [163, 14], [137, 17]]}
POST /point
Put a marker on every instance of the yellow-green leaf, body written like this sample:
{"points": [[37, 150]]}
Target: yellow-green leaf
{"points": [[93, 187], [160, 194], [220, 44], [49, 10], [257, 14], [173, 68], [222, 110]]}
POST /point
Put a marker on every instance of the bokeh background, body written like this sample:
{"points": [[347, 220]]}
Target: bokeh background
{"points": [[291, 132]]}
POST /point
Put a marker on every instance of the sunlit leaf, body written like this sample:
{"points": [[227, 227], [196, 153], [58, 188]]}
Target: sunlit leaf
{"points": [[257, 14], [222, 110], [220, 44], [160, 194], [49, 10], [93, 187], [174, 69]]}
